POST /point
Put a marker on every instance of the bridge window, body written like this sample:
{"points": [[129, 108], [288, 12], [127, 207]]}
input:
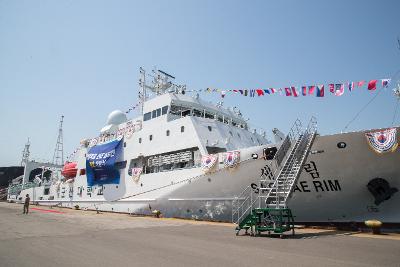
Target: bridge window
{"points": [[140, 140], [182, 129], [154, 114], [147, 116], [209, 128], [158, 112], [150, 137], [164, 110], [167, 133]]}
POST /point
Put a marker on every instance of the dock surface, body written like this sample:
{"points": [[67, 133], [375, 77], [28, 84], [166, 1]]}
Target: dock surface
{"points": [[63, 237]]}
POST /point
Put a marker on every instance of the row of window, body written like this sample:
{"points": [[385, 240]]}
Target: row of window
{"points": [[155, 113], [167, 133], [186, 111]]}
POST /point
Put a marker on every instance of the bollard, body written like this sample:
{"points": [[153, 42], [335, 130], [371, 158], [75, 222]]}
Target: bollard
{"points": [[375, 225]]}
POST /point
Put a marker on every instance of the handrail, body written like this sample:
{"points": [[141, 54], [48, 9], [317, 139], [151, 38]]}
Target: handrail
{"points": [[285, 175]]}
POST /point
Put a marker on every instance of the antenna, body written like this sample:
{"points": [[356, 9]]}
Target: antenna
{"points": [[58, 156], [25, 153], [142, 93]]}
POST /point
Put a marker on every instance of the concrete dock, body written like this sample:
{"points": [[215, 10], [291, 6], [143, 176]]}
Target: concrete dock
{"points": [[64, 237]]}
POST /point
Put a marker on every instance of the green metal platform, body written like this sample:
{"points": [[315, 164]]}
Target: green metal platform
{"points": [[271, 220]]}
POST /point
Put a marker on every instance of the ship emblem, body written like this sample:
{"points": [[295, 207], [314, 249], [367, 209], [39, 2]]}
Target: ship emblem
{"points": [[381, 190], [383, 140]]}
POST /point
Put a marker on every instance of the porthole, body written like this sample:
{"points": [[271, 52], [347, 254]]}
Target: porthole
{"points": [[150, 137]]}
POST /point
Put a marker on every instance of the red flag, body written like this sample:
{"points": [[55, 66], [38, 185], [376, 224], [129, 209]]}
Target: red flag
{"points": [[331, 87], [311, 89], [295, 94], [288, 92], [360, 83], [372, 84], [260, 92]]}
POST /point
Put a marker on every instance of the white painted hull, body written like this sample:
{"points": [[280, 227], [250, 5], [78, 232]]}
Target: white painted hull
{"points": [[338, 193]]}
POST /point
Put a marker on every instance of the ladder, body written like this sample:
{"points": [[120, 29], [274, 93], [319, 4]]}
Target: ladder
{"points": [[251, 210]]}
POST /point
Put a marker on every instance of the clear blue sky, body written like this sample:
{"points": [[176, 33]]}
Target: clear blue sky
{"points": [[81, 59]]}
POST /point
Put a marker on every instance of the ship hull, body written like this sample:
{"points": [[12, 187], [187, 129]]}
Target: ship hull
{"points": [[333, 187]]}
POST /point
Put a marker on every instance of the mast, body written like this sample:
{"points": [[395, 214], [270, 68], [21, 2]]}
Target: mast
{"points": [[142, 93], [58, 156], [25, 153]]}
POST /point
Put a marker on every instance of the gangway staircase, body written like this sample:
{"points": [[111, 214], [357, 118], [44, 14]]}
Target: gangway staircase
{"points": [[265, 209]]}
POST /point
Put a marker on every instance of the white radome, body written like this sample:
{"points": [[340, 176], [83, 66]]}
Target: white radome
{"points": [[116, 117]]}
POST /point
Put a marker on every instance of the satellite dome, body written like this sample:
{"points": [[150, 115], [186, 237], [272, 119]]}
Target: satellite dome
{"points": [[116, 117]]}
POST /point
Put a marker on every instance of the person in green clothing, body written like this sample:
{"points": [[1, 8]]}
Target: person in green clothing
{"points": [[26, 204]]}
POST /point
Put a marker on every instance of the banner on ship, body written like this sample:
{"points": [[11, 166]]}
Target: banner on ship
{"points": [[100, 163]]}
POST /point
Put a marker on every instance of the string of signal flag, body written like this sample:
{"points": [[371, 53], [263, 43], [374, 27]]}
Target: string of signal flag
{"points": [[336, 89]]}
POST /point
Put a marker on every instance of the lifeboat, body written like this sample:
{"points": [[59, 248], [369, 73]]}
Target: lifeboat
{"points": [[69, 170]]}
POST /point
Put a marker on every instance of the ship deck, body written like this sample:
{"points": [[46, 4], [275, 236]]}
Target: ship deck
{"points": [[65, 237]]}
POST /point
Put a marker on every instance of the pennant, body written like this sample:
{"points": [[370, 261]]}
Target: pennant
{"points": [[351, 86], [339, 89], [288, 92], [331, 88], [360, 83], [385, 82], [304, 90], [372, 84], [260, 92], [272, 90], [241, 92], [223, 93], [245, 92], [320, 90], [252, 93], [280, 90], [267, 91], [311, 89], [235, 91], [294, 91]]}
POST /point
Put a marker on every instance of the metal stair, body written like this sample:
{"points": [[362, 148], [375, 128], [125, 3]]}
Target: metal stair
{"points": [[288, 163]]}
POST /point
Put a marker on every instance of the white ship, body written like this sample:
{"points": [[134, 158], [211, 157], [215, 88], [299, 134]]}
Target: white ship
{"points": [[187, 158]]}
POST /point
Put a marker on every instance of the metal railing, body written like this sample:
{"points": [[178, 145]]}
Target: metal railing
{"points": [[293, 152]]}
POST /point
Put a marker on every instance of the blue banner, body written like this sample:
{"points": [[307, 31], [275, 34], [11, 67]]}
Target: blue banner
{"points": [[100, 163]]}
